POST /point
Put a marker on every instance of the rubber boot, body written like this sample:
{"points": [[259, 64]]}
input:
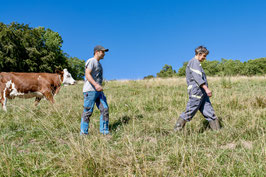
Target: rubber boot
{"points": [[104, 126], [214, 124], [180, 123]]}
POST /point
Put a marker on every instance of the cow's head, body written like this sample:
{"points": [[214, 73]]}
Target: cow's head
{"points": [[67, 78]]}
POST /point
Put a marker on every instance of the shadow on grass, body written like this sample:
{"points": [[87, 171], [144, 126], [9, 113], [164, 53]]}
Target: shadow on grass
{"points": [[205, 126], [121, 121]]}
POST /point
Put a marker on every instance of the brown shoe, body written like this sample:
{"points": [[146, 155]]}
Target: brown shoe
{"points": [[214, 124], [180, 123]]}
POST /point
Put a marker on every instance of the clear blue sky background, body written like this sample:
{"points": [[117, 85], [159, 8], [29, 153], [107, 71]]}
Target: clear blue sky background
{"points": [[144, 35]]}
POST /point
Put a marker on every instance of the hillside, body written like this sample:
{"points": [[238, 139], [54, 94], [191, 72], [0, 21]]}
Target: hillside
{"points": [[45, 140]]}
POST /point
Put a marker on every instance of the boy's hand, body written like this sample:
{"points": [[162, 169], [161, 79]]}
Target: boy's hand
{"points": [[98, 88], [207, 90]]}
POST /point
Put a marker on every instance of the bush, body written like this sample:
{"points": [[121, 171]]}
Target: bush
{"points": [[149, 77], [167, 71]]}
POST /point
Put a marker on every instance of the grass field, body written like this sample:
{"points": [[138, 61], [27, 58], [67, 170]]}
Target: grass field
{"points": [[45, 140]]}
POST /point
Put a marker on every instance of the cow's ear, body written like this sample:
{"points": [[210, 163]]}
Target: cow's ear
{"points": [[58, 71]]}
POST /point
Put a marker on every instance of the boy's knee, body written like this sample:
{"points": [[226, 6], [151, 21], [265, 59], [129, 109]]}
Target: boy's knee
{"points": [[105, 113], [86, 116]]}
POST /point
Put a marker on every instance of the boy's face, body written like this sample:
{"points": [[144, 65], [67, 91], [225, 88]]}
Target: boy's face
{"points": [[201, 57]]}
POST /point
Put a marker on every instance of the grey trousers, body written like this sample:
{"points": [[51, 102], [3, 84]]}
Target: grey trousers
{"points": [[201, 103]]}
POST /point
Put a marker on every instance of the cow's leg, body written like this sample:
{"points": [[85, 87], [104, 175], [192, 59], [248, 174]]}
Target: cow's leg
{"points": [[37, 101], [4, 107], [57, 90], [49, 96], [3, 100]]}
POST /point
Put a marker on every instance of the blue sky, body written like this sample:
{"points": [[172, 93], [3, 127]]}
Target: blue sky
{"points": [[144, 35]]}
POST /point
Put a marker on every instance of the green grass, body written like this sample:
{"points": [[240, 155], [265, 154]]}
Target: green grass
{"points": [[45, 140]]}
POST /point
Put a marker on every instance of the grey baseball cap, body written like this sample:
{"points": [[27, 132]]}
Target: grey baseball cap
{"points": [[100, 48]]}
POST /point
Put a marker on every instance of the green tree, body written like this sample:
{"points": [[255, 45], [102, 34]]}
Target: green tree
{"points": [[76, 67], [149, 77], [182, 70], [167, 71], [231, 67], [52, 56], [26, 49], [255, 67], [211, 68]]}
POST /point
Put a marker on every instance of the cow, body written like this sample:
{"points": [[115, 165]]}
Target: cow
{"points": [[29, 85]]}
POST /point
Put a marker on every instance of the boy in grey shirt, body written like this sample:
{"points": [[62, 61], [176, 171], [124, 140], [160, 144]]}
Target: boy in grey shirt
{"points": [[93, 92], [198, 92], [96, 72]]}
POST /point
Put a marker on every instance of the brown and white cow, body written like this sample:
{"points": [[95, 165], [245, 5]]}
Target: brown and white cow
{"points": [[28, 85]]}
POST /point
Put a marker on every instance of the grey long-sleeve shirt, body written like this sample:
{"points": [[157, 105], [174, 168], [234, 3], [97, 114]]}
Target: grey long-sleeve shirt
{"points": [[195, 74]]}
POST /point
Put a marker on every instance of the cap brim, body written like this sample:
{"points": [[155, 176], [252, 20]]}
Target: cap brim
{"points": [[106, 50]]}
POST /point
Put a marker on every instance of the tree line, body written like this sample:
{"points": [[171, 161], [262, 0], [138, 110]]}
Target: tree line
{"points": [[27, 49], [219, 68]]}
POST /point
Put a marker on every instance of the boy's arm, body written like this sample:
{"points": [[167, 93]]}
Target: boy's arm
{"points": [[207, 90], [195, 69], [197, 75], [92, 81]]}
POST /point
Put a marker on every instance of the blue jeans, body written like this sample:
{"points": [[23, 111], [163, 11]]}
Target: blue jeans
{"points": [[90, 98]]}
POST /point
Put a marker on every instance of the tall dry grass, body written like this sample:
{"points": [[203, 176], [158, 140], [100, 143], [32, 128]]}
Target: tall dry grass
{"points": [[45, 140]]}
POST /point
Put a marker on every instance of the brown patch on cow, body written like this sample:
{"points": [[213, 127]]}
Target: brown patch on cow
{"points": [[61, 74]]}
